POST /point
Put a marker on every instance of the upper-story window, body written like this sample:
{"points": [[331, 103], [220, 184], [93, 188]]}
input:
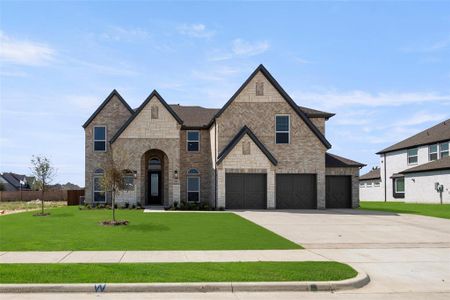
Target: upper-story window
{"points": [[433, 152], [282, 129], [193, 140], [444, 149], [412, 156], [100, 138]]}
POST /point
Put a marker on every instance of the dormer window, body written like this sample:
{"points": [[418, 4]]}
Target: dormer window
{"points": [[443, 148], [100, 138], [412, 156]]}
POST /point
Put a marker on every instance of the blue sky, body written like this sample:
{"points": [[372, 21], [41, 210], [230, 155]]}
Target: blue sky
{"points": [[383, 68]]}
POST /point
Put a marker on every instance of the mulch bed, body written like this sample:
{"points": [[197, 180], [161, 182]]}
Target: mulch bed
{"points": [[41, 214], [114, 223]]}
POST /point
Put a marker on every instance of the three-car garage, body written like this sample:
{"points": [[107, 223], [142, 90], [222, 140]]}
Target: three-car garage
{"points": [[292, 191]]}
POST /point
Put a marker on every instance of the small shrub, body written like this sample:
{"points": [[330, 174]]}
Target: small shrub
{"points": [[126, 205]]}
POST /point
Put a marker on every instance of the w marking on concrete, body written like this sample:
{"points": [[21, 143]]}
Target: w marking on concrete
{"points": [[100, 288]]}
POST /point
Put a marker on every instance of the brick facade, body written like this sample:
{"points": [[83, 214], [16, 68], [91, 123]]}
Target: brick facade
{"points": [[154, 131]]}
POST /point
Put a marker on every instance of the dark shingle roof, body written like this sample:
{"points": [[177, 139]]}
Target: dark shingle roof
{"points": [[336, 161], [194, 116], [440, 164], [13, 178], [314, 113], [437, 133], [245, 130], [197, 116], [373, 174]]}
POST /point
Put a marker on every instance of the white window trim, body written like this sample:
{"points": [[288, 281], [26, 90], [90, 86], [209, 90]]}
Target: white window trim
{"points": [[94, 140], [94, 190], [429, 151], [445, 151], [188, 191], [134, 186], [288, 131], [395, 186], [407, 157], [376, 184], [362, 185], [188, 140]]}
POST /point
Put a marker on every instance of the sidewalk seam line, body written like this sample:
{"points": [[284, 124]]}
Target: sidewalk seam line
{"points": [[59, 261], [120, 260]]}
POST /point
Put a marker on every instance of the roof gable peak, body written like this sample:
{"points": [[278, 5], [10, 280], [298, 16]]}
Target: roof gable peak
{"points": [[113, 93]]}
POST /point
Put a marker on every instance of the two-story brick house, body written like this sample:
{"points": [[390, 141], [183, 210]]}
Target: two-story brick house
{"points": [[416, 169], [260, 150]]}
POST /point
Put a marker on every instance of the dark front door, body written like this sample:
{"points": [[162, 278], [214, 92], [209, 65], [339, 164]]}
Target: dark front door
{"points": [[154, 187], [245, 191], [338, 191], [296, 191]]}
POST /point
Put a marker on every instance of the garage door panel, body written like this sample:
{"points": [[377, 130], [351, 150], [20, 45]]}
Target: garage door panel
{"points": [[338, 192], [296, 191], [245, 191]]}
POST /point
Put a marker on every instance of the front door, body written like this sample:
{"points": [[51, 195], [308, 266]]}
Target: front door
{"points": [[154, 187]]}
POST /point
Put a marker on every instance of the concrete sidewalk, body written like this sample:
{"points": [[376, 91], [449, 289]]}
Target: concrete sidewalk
{"points": [[158, 256]]}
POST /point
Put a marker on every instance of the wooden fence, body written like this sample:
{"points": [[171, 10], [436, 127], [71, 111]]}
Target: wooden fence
{"points": [[71, 196]]}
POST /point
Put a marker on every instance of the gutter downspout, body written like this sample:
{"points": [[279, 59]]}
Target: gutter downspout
{"points": [[215, 164], [385, 193]]}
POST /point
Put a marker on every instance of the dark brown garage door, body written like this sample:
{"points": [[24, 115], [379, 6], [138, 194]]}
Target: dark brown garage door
{"points": [[338, 192], [245, 191], [296, 191]]}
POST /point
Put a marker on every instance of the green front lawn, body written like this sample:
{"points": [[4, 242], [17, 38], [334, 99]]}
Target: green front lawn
{"points": [[432, 210], [175, 272], [69, 228]]}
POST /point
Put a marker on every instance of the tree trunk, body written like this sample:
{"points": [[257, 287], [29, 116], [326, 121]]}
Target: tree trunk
{"points": [[113, 202], [42, 201]]}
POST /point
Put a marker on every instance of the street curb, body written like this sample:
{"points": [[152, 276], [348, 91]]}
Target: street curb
{"points": [[293, 286]]}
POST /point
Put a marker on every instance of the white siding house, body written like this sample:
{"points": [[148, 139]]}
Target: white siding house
{"points": [[410, 169]]}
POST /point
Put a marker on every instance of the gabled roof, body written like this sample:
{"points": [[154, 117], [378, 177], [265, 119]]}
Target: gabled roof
{"points": [[234, 141], [99, 109], [289, 100], [336, 161], [440, 164], [133, 116], [435, 134], [372, 174], [14, 179]]}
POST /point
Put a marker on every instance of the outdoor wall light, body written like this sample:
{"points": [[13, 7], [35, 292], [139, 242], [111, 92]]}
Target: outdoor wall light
{"points": [[175, 174]]}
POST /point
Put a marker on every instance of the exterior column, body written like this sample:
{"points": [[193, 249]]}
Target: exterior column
{"points": [[220, 188], [321, 204], [271, 189]]}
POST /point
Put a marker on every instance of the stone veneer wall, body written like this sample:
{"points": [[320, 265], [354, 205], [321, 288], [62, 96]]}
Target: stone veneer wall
{"points": [[319, 123], [354, 172], [237, 162], [201, 161], [113, 115], [304, 154]]}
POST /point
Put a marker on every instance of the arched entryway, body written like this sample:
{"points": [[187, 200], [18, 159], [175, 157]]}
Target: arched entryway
{"points": [[154, 169]]}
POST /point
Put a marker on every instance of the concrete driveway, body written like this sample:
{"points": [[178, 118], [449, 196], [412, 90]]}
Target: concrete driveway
{"points": [[401, 253]]}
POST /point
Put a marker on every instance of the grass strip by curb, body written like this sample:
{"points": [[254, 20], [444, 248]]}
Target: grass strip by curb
{"points": [[431, 210], [175, 272]]}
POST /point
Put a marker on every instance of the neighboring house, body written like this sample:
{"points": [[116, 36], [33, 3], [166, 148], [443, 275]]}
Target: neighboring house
{"points": [[260, 150], [16, 182], [416, 169], [370, 185]]}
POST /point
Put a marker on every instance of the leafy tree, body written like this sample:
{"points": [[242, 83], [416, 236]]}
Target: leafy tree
{"points": [[113, 181], [44, 172]]}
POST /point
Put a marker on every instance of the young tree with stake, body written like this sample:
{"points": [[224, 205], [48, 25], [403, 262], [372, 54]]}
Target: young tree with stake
{"points": [[44, 172]]}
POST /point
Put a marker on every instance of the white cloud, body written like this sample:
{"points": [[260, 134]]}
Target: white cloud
{"points": [[333, 99], [195, 30], [23, 52], [420, 118], [245, 48], [121, 34]]}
